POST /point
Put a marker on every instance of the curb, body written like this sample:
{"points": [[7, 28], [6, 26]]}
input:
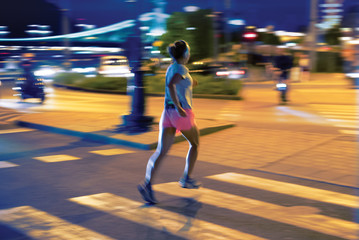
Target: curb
{"points": [[87, 136], [109, 140]]}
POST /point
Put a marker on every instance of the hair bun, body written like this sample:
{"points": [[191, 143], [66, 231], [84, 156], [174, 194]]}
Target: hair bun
{"points": [[177, 49]]}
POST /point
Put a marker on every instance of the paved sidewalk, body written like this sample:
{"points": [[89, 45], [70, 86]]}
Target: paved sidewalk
{"points": [[326, 157], [103, 127], [320, 156]]}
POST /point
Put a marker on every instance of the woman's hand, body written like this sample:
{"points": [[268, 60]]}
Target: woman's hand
{"points": [[195, 82], [181, 112]]}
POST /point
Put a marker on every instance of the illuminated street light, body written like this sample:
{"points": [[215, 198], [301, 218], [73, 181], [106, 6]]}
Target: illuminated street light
{"points": [[85, 27], [3, 31], [237, 22], [36, 30], [191, 8]]}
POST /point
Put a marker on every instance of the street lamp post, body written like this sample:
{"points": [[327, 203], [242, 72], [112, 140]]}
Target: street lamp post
{"points": [[215, 40], [136, 121], [66, 41], [313, 35], [227, 33], [356, 49]]}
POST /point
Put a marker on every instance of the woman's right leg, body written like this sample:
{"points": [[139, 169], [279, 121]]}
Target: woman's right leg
{"points": [[165, 140]]}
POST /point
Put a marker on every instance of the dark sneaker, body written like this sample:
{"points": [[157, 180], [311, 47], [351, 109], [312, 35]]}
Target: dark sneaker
{"points": [[189, 183], [147, 193]]}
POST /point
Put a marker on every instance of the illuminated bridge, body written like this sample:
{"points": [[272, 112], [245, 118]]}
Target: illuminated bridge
{"points": [[83, 48], [115, 33], [112, 36]]}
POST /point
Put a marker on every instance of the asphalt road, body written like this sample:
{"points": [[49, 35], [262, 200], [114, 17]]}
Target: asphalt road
{"points": [[61, 187], [43, 180]]}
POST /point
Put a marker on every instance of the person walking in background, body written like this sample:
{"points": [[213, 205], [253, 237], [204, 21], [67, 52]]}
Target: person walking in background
{"points": [[282, 64], [303, 63], [176, 116]]}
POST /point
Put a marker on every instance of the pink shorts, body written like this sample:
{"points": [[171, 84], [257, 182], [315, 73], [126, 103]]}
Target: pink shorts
{"points": [[171, 118]]}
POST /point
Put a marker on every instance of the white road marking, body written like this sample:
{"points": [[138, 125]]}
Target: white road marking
{"points": [[288, 215], [289, 189], [16, 130], [160, 219], [56, 158], [4, 164], [354, 125], [111, 152], [344, 117], [351, 132], [41, 225]]}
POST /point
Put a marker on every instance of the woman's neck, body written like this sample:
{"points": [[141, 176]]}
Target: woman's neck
{"points": [[180, 61]]}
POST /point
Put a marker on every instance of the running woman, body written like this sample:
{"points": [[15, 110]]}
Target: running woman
{"points": [[177, 116]]}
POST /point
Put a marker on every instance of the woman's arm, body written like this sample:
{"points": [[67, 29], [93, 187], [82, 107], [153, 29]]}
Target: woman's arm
{"points": [[195, 82], [172, 89]]}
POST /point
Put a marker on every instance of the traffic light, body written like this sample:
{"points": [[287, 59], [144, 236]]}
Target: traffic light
{"points": [[250, 35]]}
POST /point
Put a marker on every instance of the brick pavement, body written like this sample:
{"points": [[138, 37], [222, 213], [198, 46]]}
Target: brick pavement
{"points": [[317, 156]]}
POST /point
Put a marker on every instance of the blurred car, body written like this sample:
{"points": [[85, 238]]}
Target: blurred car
{"points": [[114, 66], [226, 69], [46, 72]]}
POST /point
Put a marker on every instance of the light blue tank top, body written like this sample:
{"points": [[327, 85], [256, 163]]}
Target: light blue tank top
{"points": [[183, 88]]}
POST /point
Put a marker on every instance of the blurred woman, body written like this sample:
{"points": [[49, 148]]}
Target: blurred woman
{"points": [[177, 116]]}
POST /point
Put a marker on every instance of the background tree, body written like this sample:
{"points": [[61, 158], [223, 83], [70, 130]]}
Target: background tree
{"points": [[195, 28], [332, 36], [269, 38]]}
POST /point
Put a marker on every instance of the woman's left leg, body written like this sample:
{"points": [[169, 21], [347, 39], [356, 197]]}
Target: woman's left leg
{"points": [[192, 137]]}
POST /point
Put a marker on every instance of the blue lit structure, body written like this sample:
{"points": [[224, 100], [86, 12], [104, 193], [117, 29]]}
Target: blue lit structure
{"points": [[113, 33]]}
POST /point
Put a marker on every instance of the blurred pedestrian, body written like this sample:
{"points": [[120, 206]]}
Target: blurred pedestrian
{"points": [[28, 75], [282, 64], [176, 116], [267, 60], [304, 67]]}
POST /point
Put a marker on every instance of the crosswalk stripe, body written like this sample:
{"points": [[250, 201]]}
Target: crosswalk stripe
{"points": [[16, 130], [296, 216], [56, 158], [289, 189], [8, 117], [111, 152], [4, 164], [160, 219], [338, 110], [341, 125], [334, 106], [343, 120], [41, 225], [344, 117], [351, 132], [352, 113]]}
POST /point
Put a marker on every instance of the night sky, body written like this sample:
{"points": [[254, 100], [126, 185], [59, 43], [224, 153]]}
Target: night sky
{"points": [[289, 15]]}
